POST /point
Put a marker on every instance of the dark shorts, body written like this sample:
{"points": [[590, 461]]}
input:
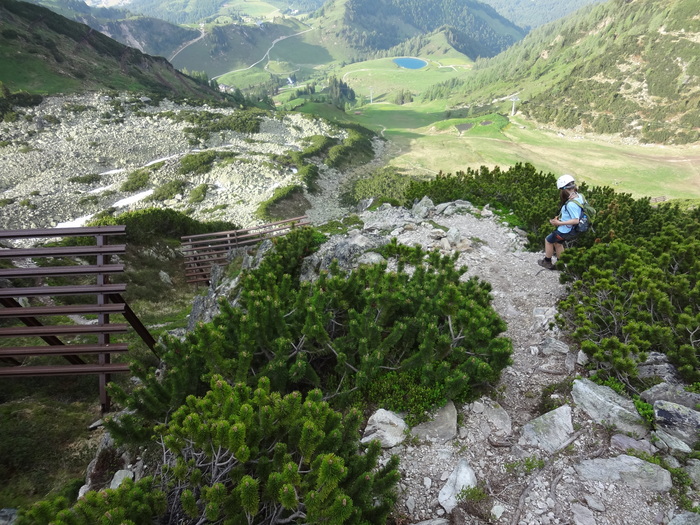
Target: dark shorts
{"points": [[558, 237]]}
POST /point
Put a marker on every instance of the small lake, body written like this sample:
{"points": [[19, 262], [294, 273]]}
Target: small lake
{"points": [[410, 63]]}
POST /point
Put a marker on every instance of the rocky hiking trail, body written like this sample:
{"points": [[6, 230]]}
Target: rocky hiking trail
{"points": [[568, 466]]}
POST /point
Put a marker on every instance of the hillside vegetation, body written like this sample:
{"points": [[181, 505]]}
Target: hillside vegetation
{"points": [[364, 26], [147, 34], [629, 67], [635, 279], [255, 414], [196, 11], [43, 52], [236, 46], [534, 13]]}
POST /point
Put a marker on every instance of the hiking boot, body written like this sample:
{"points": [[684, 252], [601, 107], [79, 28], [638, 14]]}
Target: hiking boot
{"points": [[544, 263]]}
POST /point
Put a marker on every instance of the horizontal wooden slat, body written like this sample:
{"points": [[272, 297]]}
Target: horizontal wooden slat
{"points": [[73, 329], [63, 251], [63, 232], [198, 270], [63, 370], [53, 271], [205, 256], [72, 309], [203, 279], [26, 351], [87, 289], [204, 262], [203, 252], [203, 235], [230, 240]]}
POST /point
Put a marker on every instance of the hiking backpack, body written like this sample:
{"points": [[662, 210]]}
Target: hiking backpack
{"points": [[588, 213]]}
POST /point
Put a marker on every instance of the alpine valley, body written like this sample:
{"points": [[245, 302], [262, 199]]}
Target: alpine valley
{"points": [[404, 359]]}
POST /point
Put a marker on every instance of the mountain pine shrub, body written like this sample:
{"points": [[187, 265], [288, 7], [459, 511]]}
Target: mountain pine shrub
{"points": [[633, 282], [355, 149], [627, 300], [340, 333], [244, 455], [130, 504]]}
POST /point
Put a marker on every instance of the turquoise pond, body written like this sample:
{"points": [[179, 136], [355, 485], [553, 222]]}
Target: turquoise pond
{"points": [[410, 63]]}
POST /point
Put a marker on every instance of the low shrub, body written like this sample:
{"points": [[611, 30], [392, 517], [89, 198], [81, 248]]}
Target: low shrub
{"points": [[386, 183], [263, 211], [279, 458], [139, 502], [355, 149], [145, 226], [168, 190], [88, 200], [86, 179], [198, 194], [342, 333], [136, 180], [308, 174]]}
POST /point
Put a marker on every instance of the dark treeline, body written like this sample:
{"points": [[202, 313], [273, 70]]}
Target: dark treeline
{"points": [[340, 93], [476, 29], [178, 11], [530, 14]]}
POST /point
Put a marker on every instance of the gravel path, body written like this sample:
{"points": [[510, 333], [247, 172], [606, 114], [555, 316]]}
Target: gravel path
{"points": [[526, 486]]}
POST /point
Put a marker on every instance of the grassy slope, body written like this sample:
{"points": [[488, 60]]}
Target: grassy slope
{"points": [[427, 143], [610, 61], [649, 170], [244, 46], [43, 52], [384, 76]]}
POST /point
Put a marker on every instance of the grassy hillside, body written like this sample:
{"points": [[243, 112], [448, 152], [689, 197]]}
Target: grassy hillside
{"points": [[149, 35], [382, 77], [196, 11], [534, 13], [43, 52], [426, 138], [358, 28], [234, 46], [628, 67]]}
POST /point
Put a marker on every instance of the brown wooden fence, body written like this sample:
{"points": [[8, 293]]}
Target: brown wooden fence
{"points": [[27, 293], [204, 251]]}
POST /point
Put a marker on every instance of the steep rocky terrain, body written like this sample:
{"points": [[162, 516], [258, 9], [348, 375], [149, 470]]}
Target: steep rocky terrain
{"points": [[544, 448], [48, 152], [541, 449]]}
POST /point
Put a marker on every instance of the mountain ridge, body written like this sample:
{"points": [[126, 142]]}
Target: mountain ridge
{"points": [[365, 26], [43, 52], [605, 70]]}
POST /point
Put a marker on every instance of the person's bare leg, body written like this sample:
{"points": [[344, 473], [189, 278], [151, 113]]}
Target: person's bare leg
{"points": [[559, 249], [548, 249]]}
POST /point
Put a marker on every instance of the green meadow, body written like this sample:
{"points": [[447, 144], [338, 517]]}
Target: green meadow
{"points": [[433, 137], [428, 143], [256, 9], [382, 76]]}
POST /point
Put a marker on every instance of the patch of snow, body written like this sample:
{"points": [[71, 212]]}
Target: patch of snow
{"points": [[160, 160], [131, 200], [80, 221], [100, 189]]}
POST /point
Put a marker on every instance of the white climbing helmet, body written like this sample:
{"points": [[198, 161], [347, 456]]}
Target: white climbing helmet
{"points": [[564, 181]]}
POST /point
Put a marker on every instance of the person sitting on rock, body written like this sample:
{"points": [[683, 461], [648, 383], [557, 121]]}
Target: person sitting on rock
{"points": [[565, 222]]}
